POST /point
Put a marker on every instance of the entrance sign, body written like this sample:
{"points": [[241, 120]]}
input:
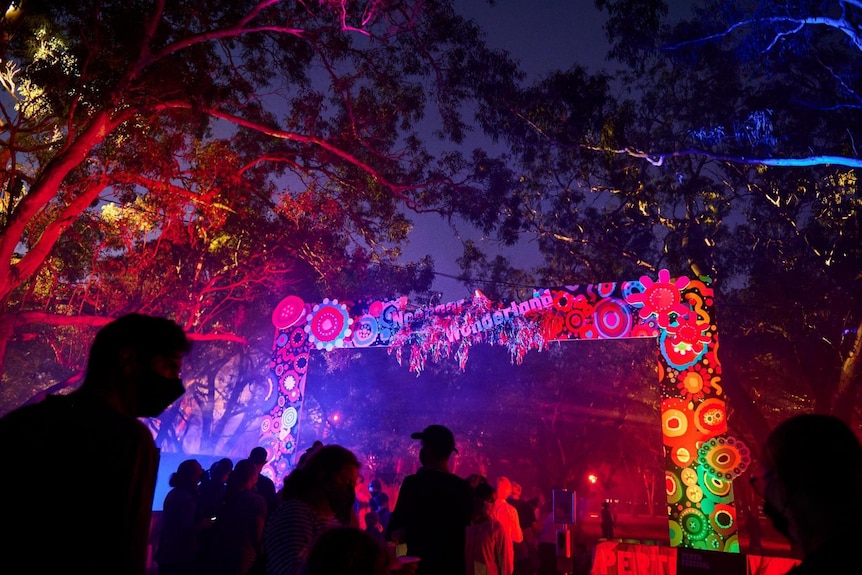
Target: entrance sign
{"points": [[701, 461]]}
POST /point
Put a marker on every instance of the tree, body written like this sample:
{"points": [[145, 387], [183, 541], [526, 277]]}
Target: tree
{"points": [[727, 154], [199, 160]]}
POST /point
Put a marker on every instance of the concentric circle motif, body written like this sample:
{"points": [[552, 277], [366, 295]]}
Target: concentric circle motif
{"points": [[563, 301], [731, 544], [695, 525], [710, 417], [289, 418], [365, 330], [579, 320], [633, 287], [715, 488], [606, 289], [674, 422], [711, 543], [288, 382], [300, 363], [723, 520], [281, 340], [288, 311], [612, 319], [673, 487], [681, 455], [298, 337], [675, 532], [576, 321], [265, 424], [328, 325], [724, 458]]}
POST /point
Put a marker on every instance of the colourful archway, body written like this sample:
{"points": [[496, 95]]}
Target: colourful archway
{"points": [[701, 461]]}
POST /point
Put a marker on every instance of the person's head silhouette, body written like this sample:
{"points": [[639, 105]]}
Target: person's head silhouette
{"points": [[438, 443], [134, 364], [804, 461]]}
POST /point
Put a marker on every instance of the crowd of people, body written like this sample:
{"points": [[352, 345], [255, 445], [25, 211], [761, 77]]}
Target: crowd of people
{"points": [[230, 520], [219, 521]]}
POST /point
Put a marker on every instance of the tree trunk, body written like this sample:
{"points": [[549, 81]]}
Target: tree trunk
{"points": [[844, 400]]}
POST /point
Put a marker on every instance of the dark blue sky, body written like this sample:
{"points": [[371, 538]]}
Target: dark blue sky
{"points": [[543, 35]]}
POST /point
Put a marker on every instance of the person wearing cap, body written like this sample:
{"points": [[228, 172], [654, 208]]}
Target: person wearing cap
{"points": [[433, 507], [95, 517]]}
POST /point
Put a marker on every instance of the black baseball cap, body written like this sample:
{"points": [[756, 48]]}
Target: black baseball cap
{"points": [[437, 437]]}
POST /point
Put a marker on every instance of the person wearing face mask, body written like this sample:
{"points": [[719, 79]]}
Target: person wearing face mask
{"points": [[87, 507], [317, 495], [811, 485]]}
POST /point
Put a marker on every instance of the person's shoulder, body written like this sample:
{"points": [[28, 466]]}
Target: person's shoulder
{"points": [[26, 413], [411, 480]]}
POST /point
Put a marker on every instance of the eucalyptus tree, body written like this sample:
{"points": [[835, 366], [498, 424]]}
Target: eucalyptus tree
{"points": [[201, 159], [724, 145]]}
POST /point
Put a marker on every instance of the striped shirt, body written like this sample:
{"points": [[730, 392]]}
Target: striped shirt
{"points": [[288, 534]]}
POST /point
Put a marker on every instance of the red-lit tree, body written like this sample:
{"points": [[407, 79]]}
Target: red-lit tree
{"points": [[198, 160]]}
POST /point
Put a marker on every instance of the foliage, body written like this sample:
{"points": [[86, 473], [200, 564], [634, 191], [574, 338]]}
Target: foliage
{"points": [[725, 145], [201, 160]]}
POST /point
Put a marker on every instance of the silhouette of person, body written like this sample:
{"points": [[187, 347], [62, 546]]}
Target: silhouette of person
{"points": [[607, 521], [265, 486], [547, 541], [433, 507], [213, 486], [373, 526], [238, 531], [316, 495], [375, 491], [379, 501], [346, 550], [525, 551], [485, 548], [811, 484], [309, 452], [507, 515], [108, 457], [182, 521], [474, 479]]}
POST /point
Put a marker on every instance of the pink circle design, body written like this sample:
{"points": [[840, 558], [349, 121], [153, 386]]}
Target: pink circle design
{"points": [[365, 330], [328, 325], [612, 318], [288, 312]]}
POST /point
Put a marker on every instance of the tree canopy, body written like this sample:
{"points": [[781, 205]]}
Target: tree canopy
{"points": [[201, 160]]}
